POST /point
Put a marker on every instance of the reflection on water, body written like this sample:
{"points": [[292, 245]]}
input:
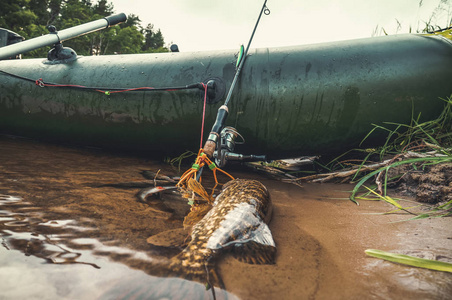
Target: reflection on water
{"points": [[63, 242], [21, 230]]}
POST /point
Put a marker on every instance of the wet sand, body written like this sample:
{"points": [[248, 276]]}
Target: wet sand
{"points": [[65, 236]]}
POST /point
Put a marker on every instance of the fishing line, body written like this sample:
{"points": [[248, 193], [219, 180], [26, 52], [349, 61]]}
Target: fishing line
{"points": [[242, 58], [203, 113], [208, 283]]}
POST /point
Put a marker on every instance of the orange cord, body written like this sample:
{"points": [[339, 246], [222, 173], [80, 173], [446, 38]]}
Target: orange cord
{"points": [[201, 161]]}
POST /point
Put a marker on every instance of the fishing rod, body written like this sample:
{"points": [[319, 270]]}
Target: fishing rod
{"points": [[222, 136], [214, 136]]}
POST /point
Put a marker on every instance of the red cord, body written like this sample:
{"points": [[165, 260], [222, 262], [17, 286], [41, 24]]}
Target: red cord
{"points": [[203, 112], [41, 83], [129, 90]]}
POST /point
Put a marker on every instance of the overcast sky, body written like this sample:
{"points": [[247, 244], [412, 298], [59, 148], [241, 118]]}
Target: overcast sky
{"points": [[197, 25]]}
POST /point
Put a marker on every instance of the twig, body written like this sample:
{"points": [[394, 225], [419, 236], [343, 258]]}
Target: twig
{"points": [[340, 174], [320, 178], [379, 182], [155, 178]]}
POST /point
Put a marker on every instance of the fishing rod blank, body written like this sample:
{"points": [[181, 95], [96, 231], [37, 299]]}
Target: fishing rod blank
{"points": [[210, 145]]}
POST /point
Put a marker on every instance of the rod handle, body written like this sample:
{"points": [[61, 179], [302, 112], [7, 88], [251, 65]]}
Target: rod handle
{"points": [[209, 148], [116, 19], [211, 143]]}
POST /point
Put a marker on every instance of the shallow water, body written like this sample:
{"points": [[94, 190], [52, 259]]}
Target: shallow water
{"points": [[65, 237]]}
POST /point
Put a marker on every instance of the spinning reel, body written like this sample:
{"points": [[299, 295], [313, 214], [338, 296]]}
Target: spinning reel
{"points": [[225, 147]]}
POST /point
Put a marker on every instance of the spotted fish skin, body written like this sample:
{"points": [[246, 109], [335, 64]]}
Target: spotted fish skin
{"points": [[237, 222]]}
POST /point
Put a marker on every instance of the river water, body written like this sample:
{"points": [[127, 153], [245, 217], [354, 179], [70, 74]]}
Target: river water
{"points": [[65, 236]]}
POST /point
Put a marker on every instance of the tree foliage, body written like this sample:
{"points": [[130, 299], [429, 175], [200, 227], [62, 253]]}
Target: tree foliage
{"points": [[30, 19]]}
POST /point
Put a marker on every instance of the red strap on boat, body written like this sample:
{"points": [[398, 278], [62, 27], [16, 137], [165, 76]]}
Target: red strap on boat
{"points": [[39, 82]]}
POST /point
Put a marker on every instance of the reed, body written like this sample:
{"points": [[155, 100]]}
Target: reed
{"points": [[411, 260], [432, 143]]}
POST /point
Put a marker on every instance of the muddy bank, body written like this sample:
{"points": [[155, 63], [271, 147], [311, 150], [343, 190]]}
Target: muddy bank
{"points": [[429, 184], [67, 228]]}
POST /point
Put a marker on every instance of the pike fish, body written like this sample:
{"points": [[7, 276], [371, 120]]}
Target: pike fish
{"points": [[237, 223]]}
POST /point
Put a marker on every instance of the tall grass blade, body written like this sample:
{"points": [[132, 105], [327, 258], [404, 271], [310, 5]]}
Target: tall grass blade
{"points": [[445, 205], [386, 198], [411, 260]]}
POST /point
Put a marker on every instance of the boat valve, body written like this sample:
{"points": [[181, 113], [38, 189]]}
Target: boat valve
{"points": [[216, 89], [226, 145]]}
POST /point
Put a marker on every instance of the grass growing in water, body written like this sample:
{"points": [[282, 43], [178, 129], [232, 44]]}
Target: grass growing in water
{"points": [[418, 145]]}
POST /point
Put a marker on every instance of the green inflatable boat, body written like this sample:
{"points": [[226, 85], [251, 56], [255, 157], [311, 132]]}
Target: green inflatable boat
{"points": [[291, 101]]}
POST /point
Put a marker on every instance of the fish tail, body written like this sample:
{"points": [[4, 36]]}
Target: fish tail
{"points": [[171, 288], [196, 268], [214, 278]]}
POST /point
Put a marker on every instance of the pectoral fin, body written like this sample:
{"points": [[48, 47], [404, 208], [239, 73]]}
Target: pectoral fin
{"points": [[171, 238]]}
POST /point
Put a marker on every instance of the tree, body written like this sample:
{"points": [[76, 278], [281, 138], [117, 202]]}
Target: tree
{"points": [[103, 8], [153, 39], [126, 40], [132, 20], [15, 15], [54, 8], [40, 9]]}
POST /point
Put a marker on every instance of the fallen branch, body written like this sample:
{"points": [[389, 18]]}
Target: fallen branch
{"points": [[339, 174], [346, 174]]}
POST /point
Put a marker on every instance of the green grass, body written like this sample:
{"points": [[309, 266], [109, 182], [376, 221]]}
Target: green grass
{"points": [[434, 134], [421, 138], [411, 260]]}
